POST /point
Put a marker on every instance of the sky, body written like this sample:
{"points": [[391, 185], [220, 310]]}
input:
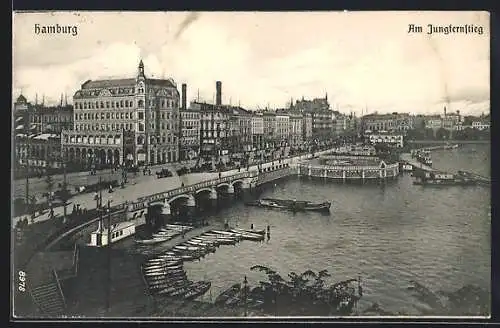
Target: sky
{"points": [[365, 61]]}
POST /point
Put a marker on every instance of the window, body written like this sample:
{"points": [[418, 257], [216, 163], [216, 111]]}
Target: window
{"points": [[121, 116], [102, 116], [131, 104], [126, 116], [141, 115], [121, 103], [141, 104], [107, 104], [102, 104], [107, 116], [131, 115], [126, 103], [141, 127]]}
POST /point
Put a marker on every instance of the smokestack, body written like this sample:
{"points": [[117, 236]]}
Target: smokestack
{"points": [[218, 97], [184, 88]]}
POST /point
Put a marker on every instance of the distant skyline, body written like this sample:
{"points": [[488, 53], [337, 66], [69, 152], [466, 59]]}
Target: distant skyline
{"points": [[364, 61]]}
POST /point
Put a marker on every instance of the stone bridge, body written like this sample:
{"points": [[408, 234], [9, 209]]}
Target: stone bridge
{"points": [[245, 180]]}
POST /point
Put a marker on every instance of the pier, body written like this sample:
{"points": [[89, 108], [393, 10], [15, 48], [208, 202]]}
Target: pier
{"points": [[407, 158]]}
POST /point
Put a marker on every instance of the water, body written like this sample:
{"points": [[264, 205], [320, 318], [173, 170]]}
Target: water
{"points": [[389, 235]]}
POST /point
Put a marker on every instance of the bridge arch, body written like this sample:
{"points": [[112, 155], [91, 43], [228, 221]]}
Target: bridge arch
{"points": [[224, 184], [186, 196], [203, 189], [236, 182]]}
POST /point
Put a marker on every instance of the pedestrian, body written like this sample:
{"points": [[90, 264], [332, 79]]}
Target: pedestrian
{"points": [[51, 213], [251, 226]]}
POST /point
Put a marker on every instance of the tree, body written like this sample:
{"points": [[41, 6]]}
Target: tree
{"points": [[429, 134], [50, 184], [415, 134], [306, 293], [442, 134]]}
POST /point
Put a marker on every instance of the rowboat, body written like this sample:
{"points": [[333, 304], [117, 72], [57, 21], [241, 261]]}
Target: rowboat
{"points": [[293, 205], [187, 248], [259, 232], [197, 289], [170, 283], [227, 294], [174, 289], [152, 241], [249, 236]]}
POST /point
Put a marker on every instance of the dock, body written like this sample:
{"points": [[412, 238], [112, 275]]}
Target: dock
{"points": [[407, 158]]}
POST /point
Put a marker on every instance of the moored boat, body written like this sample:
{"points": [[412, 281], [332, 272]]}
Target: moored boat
{"points": [[227, 294], [293, 205], [197, 289]]}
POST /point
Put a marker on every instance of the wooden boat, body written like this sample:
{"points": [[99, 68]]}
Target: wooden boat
{"points": [[223, 240], [227, 294], [170, 283], [197, 289], [152, 241], [259, 232], [248, 236], [293, 205], [187, 248], [176, 289]]}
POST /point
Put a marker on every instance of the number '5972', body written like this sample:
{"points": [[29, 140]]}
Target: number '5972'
{"points": [[22, 281]]}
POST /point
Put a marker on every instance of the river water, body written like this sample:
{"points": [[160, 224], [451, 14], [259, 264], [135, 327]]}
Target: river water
{"points": [[388, 234]]}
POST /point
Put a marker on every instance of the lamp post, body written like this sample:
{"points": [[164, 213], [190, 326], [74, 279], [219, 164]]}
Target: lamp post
{"points": [[108, 246], [245, 286]]}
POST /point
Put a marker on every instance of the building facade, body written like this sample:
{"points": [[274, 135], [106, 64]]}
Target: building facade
{"points": [[269, 119], [295, 130], [394, 122], [145, 108], [190, 134], [307, 126], [282, 128], [396, 140], [257, 131], [214, 129], [37, 139]]}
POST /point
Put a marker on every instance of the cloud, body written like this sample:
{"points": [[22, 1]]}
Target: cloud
{"points": [[360, 59]]}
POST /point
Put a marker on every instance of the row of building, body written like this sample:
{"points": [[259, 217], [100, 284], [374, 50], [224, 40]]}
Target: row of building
{"points": [[143, 120], [402, 122]]}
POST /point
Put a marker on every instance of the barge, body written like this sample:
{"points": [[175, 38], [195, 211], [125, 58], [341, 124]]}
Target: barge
{"points": [[444, 179], [292, 205]]}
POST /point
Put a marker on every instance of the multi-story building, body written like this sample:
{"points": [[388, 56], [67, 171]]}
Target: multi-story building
{"points": [[281, 129], [37, 139], [242, 128], [307, 126], [214, 129], [319, 108], [481, 125], [257, 131], [433, 122], [125, 120], [295, 129], [269, 119], [190, 133], [395, 140], [399, 122]]}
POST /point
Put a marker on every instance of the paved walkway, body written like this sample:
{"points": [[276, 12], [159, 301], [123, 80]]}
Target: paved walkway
{"points": [[141, 186]]}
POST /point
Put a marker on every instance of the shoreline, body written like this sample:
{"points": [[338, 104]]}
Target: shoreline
{"points": [[444, 142]]}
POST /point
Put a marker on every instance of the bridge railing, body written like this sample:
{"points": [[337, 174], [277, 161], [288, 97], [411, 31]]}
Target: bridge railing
{"points": [[187, 189]]}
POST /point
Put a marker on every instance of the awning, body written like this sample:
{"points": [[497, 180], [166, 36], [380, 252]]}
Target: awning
{"points": [[19, 119], [19, 127]]}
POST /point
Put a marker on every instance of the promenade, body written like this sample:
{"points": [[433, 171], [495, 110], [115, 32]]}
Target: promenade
{"points": [[143, 185], [38, 186]]}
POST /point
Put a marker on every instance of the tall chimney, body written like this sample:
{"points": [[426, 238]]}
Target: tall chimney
{"points": [[218, 97], [184, 88]]}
